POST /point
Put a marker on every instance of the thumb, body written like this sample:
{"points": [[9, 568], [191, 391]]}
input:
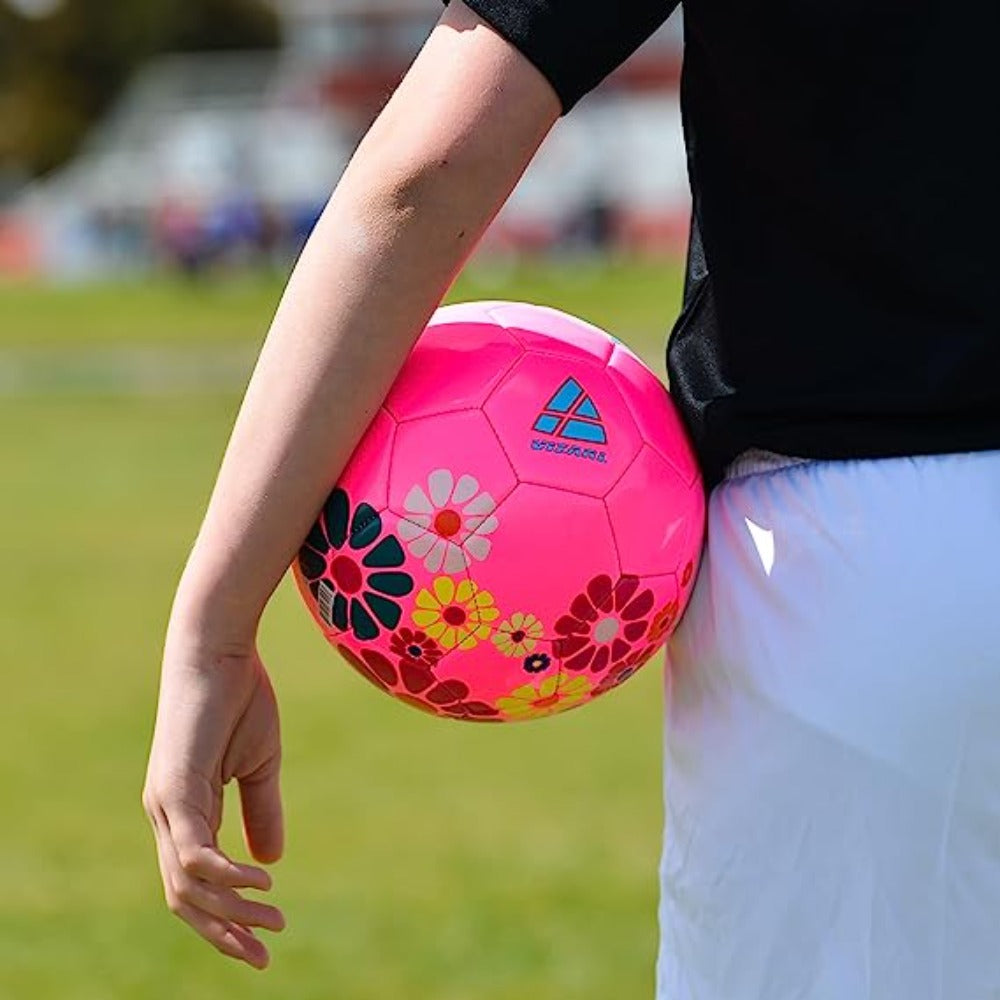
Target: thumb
{"points": [[263, 820]]}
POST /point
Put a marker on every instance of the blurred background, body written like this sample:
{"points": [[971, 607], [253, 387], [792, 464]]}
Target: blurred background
{"points": [[161, 164], [205, 136]]}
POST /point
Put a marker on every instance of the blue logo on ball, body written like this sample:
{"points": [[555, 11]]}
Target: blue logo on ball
{"points": [[572, 416]]}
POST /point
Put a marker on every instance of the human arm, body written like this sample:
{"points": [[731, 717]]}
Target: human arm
{"points": [[422, 187]]}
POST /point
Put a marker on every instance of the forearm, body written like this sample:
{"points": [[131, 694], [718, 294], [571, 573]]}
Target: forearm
{"points": [[341, 332], [391, 240]]}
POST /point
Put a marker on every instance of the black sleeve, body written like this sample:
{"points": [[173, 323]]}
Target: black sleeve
{"points": [[574, 43]]}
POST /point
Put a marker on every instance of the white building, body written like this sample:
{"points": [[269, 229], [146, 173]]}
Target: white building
{"points": [[354, 29], [641, 175]]}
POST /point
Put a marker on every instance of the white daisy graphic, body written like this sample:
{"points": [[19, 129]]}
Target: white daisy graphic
{"points": [[446, 525]]}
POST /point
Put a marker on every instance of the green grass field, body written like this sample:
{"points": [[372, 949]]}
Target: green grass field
{"points": [[425, 859]]}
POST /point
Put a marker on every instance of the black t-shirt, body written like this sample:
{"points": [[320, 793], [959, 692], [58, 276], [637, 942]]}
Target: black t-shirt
{"points": [[843, 294]]}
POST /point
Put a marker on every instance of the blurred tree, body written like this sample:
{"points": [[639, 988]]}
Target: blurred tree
{"points": [[59, 72]]}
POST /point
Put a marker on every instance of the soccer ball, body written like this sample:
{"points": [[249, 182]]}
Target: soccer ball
{"points": [[519, 529]]}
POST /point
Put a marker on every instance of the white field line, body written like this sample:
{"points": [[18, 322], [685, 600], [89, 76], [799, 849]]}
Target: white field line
{"points": [[141, 370], [124, 371]]}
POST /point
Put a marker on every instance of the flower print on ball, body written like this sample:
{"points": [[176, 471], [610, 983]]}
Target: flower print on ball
{"points": [[663, 621], [352, 569], [451, 698], [537, 663], [416, 647], [619, 674], [604, 624], [418, 656], [554, 694], [519, 635], [373, 666], [456, 615], [447, 524], [422, 690]]}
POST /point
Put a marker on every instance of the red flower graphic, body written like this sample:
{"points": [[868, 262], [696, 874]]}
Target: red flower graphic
{"points": [[415, 684], [619, 674], [416, 647], [604, 624], [450, 698], [663, 623], [373, 666]]}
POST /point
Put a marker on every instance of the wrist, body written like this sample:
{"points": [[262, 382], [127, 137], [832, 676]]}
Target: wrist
{"points": [[213, 620]]}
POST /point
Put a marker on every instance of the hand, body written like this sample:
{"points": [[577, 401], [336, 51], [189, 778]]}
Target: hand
{"points": [[217, 720]]}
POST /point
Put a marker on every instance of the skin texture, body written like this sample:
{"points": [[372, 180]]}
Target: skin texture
{"points": [[425, 183]]}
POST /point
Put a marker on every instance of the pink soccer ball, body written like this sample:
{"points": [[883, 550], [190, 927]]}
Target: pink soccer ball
{"points": [[519, 530]]}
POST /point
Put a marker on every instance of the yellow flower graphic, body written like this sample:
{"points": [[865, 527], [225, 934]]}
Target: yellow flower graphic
{"points": [[456, 615], [519, 635], [554, 694]]}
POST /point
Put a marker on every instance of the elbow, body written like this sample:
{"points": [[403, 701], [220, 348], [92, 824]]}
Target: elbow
{"points": [[440, 192]]}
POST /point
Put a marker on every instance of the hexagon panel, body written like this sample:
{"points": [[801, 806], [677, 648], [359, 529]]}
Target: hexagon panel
{"points": [[453, 366], [563, 423], [448, 474], [563, 334], [653, 410], [546, 547], [652, 512], [366, 475]]}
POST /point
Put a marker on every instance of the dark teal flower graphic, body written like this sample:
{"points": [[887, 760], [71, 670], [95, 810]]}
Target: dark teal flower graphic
{"points": [[353, 569]]}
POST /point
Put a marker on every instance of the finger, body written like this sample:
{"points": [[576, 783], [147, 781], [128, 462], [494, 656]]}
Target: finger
{"points": [[170, 872], [199, 856], [191, 892], [263, 819], [228, 905], [223, 935], [229, 938]]}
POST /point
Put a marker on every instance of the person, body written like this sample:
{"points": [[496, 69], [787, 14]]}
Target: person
{"points": [[832, 765]]}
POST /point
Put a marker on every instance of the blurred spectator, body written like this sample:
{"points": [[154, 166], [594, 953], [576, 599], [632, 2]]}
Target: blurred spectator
{"points": [[19, 252], [211, 162], [179, 235]]}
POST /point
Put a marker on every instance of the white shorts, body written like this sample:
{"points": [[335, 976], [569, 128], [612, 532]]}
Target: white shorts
{"points": [[832, 766]]}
